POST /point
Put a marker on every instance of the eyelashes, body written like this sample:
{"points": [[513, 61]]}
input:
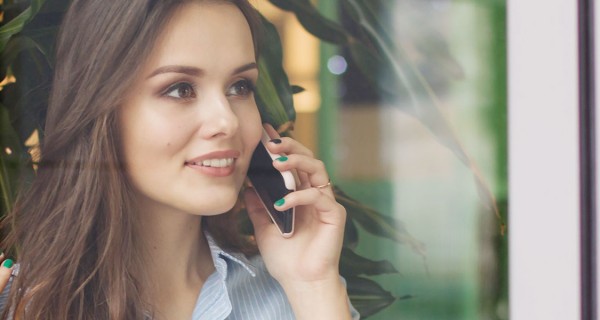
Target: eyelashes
{"points": [[242, 88], [187, 91], [180, 91]]}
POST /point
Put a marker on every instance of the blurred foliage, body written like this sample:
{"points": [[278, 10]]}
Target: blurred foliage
{"points": [[27, 37]]}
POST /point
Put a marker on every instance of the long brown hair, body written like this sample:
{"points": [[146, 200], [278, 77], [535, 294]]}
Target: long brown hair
{"points": [[74, 229]]}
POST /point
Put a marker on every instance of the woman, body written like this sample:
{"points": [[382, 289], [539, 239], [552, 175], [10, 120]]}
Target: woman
{"points": [[150, 129]]}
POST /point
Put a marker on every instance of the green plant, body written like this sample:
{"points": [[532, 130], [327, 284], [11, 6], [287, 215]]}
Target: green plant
{"points": [[27, 46], [371, 48]]}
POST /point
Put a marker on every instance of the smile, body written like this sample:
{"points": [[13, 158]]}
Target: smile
{"points": [[214, 163], [220, 163]]}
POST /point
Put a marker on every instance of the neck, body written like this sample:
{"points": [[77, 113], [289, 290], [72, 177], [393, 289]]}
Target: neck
{"points": [[178, 258]]}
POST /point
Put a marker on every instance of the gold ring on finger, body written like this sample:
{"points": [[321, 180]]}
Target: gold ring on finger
{"points": [[323, 186]]}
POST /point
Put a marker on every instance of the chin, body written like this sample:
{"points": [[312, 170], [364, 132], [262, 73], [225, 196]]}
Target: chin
{"points": [[218, 206]]}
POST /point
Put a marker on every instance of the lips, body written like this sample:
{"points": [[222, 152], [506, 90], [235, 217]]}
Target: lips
{"points": [[217, 163]]}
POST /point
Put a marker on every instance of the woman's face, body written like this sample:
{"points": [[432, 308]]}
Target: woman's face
{"points": [[190, 123]]}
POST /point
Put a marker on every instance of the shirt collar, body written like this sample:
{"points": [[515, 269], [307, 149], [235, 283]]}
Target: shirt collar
{"points": [[218, 255]]}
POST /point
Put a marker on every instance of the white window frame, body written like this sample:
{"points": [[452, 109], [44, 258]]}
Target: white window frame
{"points": [[544, 230]]}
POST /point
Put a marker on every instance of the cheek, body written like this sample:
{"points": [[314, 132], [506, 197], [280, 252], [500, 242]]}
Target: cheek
{"points": [[251, 127], [142, 137], [148, 138], [150, 150]]}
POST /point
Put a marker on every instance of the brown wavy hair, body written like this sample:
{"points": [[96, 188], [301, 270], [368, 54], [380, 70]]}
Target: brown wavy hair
{"points": [[74, 229]]}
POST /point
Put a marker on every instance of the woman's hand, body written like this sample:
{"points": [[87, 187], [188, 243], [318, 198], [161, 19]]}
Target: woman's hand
{"points": [[5, 271], [307, 264]]}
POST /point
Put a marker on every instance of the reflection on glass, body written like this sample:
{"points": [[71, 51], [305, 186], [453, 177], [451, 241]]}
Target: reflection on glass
{"points": [[432, 156], [417, 132]]}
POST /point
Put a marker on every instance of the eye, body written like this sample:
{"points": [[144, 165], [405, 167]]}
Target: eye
{"points": [[242, 88], [181, 90]]}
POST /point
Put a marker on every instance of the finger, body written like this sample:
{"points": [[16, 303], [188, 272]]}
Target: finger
{"points": [[271, 132], [329, 211], [5, 272], [286, 145], [313, 169], [304, 181], [277, 139], [256, 211]]}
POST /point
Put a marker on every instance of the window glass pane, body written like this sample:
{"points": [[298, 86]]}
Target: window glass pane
{"points": [[419, 136], [405, 102]]}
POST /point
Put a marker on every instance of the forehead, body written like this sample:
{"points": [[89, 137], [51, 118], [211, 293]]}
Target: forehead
{"points": [[207, 35]]}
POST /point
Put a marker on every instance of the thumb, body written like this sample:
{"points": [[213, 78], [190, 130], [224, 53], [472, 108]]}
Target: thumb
{"points": [[256, 211]]}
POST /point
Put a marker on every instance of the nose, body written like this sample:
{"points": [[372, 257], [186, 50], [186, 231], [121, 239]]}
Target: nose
{"points": [[218, 117]]}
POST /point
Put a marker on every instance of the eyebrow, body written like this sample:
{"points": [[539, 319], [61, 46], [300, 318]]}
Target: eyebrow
{"points": [[196, 72], [246, 67]]}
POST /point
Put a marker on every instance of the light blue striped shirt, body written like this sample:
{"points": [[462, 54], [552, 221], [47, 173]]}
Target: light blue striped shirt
{"points": [[239, 289]]}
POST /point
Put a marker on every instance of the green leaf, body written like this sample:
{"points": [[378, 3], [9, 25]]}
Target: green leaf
{"points": [[404, 80], [422, 100], [297, 89], [26, 101], [377, 223], [11, 158], [269, 103], [354, 265], [274, 93], [15, 25], [359, 10], [350, 234], [15, 46], [36, 5], [313, 21], [371, 66], [55, 6], [44, 37], [367, 296], [8, 137]]}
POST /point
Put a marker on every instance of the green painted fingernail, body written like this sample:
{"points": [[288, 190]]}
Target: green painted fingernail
{"points": [[282, 159], [8, 263], [280, 202]]}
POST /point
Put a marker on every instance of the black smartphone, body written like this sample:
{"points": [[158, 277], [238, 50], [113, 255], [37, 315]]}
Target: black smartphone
{"points": [[271, 185]]}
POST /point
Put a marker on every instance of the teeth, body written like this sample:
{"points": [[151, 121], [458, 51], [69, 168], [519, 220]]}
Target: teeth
{"points": [[216, 163]]}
